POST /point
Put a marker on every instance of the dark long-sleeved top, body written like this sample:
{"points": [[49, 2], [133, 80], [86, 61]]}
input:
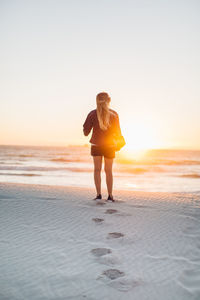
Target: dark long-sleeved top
{"points": [[102, 137]]}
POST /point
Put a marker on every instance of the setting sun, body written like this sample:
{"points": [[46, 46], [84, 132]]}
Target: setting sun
{"points": [[140, 136]]}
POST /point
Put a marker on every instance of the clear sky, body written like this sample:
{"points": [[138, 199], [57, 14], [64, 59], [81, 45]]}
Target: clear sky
{"points": [[55, 56]]}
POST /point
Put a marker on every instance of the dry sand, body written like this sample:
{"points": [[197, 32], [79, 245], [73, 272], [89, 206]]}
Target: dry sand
{"points": [[56, 243]]}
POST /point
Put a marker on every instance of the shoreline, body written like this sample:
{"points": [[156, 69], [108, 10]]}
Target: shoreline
{"points": [[92, 190]]}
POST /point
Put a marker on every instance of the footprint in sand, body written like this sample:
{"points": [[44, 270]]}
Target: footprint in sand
{"points": [[115, 235], [98, 220], [100, 251], [100, 203], [125, 284], [119, 281], [113, 273], [111, 211]]}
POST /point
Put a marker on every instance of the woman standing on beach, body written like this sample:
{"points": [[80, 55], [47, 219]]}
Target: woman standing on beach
{"points": [[106, 139]]}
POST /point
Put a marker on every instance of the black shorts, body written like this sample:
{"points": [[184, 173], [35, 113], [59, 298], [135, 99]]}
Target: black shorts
{"points": [[106, 151]]}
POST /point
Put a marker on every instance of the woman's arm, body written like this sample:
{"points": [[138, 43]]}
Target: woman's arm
{"points": [[117, 129], [120, 141], [87, 126]]}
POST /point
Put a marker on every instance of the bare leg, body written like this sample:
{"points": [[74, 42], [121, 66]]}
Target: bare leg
{"points": [[97, 173], [108, 163]]}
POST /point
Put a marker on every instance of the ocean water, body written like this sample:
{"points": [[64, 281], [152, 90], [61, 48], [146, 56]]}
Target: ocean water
{"points": [[155, 171]]}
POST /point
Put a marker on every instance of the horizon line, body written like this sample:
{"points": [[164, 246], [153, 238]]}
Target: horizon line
{"points": [[87, 145]]}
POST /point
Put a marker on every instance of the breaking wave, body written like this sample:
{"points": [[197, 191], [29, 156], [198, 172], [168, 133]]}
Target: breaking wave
{"points": [[22, 174], [191, 175]]}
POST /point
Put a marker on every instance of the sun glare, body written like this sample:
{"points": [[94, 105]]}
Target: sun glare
{"points": [[139, 138]]}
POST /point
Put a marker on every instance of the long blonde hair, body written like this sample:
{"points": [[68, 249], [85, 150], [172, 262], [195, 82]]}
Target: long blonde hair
{"points": [[103, 112]]}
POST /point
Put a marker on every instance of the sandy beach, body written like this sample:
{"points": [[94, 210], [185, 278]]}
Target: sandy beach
{"points": [[58, 243]]}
